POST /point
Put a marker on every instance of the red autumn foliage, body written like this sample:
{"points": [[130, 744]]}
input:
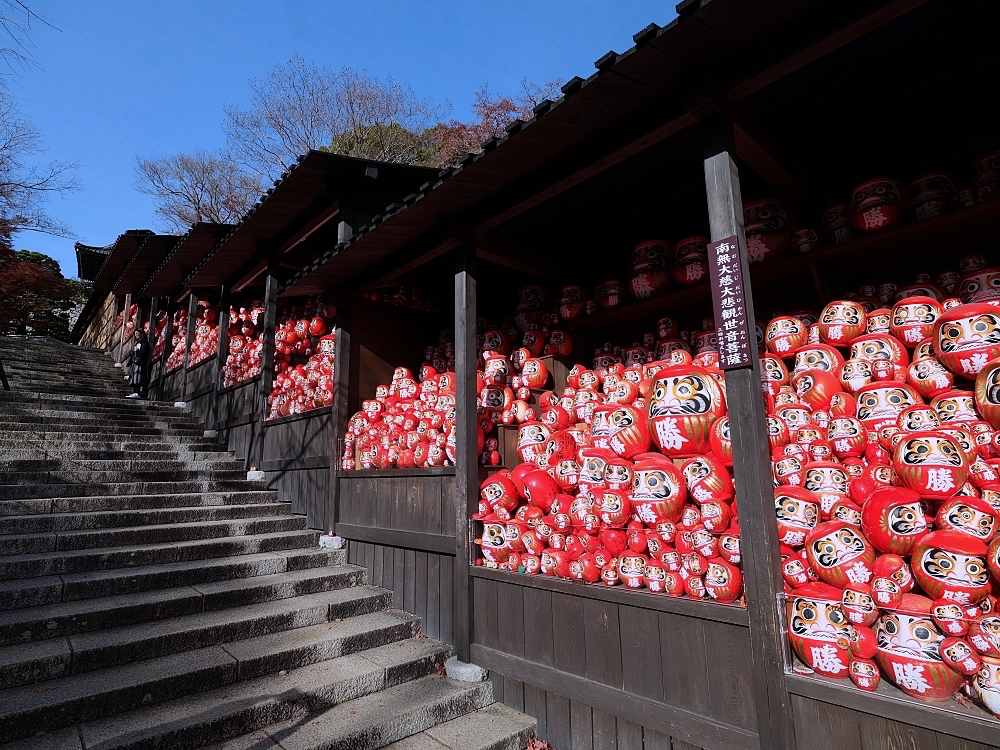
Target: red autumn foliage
{"points": [[30, 295], [493, 113]]}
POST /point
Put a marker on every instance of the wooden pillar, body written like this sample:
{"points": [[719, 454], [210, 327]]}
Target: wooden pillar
{"points": [[266, 382], [755, 489], [168, 345], [118, 350], [340, 412], [467, 457], [154, 310], [220, 358], [192, 313]]}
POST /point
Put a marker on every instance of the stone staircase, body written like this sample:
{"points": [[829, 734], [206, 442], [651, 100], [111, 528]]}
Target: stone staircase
{"points": [[152, 597]]}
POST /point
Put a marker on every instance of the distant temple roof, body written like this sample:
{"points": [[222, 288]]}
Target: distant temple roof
{"points": [[89, 260]]}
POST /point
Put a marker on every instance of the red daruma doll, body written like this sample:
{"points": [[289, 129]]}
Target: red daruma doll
{"points": [[684, 403]]}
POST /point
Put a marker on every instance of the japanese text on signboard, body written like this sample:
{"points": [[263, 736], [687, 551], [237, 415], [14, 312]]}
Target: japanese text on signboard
{"points": [[736, 344]]}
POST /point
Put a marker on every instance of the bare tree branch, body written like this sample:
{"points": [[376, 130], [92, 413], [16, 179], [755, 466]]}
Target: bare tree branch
{"points": [[189, 188], [298, 107], [24, 187]]}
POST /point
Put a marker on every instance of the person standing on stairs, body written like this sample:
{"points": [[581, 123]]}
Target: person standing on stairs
{"points": [[138, 377]]}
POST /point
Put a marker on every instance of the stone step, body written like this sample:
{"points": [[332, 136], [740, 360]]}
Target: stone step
{"points": [[123, 561], [141, 452], [378, 719], [68, 445], [193, 721], [62, 522], [35, 415], [38, 661], [116, 503], [55, 490], [62, 619], [109, 429], [88, 696], [495, 727], [86, 476], [133, 536]]}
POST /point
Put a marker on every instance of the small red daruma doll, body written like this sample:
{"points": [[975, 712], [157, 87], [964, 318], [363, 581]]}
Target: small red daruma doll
{"points": [[840, 554], [784, 335], [841, 322], [913, 319], [967, 337], [658, 490], [931, 463], [723, 581], [929, 377], [683, 405], [909, 645], [892, 519], [818, 629], [877, 204], [798, 513]]}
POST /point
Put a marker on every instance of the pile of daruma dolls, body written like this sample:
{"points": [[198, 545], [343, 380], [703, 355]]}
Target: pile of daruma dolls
{"points": [[624, 476], [178, 339], [246, 340], [206, 333], [882, 422], [303, 333]]}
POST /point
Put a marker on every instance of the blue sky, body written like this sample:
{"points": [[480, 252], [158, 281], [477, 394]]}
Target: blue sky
{"points": [[151, 77]]}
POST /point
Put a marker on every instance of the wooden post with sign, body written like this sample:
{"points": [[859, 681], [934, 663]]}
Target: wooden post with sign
{"points": [[733, 302]]}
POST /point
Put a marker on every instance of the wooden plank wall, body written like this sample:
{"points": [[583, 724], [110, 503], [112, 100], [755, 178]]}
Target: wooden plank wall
{"points": [[571, 725], [100, 329], [407, 519], [824, 726], [297, 455], [173, 385], [236, 420], [637, 669], [199, 390], [421, 582]]}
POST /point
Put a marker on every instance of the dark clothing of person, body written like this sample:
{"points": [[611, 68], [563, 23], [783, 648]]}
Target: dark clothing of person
{"points": [[138, 376]]}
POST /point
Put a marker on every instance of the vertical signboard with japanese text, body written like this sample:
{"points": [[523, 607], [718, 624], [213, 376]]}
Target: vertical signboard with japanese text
{"points": [[737, 344]]}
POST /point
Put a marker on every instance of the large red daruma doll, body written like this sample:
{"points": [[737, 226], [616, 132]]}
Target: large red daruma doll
{"points": [[684, 403], [650, 268], [818, 628], [951, 565], [967, 337], [988, 393], [908, 643]]}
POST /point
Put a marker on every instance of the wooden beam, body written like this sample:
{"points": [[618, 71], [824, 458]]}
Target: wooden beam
{"points": [[508, 254], [825, 46], [399, 263], [579, 167], [752, 474]]}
